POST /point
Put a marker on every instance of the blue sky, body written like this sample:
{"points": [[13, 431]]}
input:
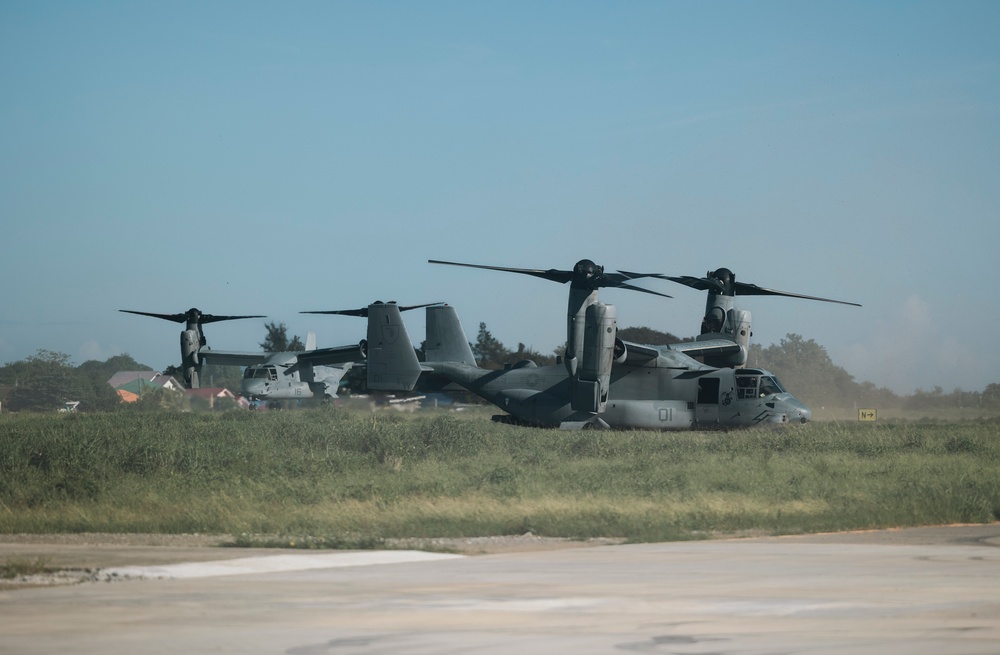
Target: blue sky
{"points": [[271, 158]]}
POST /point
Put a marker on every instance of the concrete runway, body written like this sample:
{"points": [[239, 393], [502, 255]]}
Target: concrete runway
{"points": [[928, 590]]}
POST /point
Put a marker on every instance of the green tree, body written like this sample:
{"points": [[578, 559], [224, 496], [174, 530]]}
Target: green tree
{"points": [[218, 377], [96, 369], [938, 399], [46, 381], [805, 368], [991, 395], [523, 352], [277, 340], [489, 352], [871, 396]]}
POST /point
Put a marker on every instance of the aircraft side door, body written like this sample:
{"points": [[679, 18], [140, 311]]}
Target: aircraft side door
{"points": [[707, 408]]}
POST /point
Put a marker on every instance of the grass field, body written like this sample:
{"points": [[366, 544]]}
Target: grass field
{"points": [[333, 477]]}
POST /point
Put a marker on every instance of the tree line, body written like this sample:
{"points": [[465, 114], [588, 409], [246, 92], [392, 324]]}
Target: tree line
{"points": [[48, 379]]}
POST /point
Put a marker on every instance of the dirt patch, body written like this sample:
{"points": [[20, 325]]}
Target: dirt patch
{"points": [[494, 545], [117, 539], [73, 558]]}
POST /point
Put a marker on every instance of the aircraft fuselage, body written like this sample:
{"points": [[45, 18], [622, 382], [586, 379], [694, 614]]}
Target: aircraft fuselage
{"points": [[281, 379], [670, 392]]}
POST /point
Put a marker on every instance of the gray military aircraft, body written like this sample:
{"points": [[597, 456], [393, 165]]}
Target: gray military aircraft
{"points": [[313, 373], [192, 338], [608, 383], [294, 375]]}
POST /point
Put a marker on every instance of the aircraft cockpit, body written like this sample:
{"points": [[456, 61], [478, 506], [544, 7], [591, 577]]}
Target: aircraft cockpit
{"points": [[261, 372], [755, 383]]}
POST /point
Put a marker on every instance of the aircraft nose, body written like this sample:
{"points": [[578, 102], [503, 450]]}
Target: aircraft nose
{"points": [[798, 411], [254, 388]]}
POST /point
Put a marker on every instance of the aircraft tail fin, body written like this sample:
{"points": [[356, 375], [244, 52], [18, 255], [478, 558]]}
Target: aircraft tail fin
{"points": [[446, 340], [311, 341], [392, 362]]}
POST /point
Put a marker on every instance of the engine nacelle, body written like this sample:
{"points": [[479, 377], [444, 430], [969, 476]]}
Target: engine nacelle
{"points": [[737, 328], [190, 345], [739, 319], [590, 389]]}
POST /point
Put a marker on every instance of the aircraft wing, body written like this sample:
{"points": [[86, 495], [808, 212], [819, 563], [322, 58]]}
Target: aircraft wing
{"points": [[319, 357], [331, 376], [707, 347], [639, 354], [232, 358], [330, 356]]}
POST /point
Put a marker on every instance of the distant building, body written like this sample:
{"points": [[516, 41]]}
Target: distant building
{"points": [[130, 385], [211, 395], [127, 396]]}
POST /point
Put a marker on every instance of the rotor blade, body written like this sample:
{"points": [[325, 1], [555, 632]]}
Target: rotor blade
{"points": [[181, 318], [363, 312], [699, 283], [176, 318], [741, 288], [555, 275], [634, 276], [631, 287], [744, 289], [209, 318], [585, 275], [343, 312]]}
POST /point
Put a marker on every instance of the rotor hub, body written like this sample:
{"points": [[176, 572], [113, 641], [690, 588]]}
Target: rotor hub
{"points": [[725, 277], [587, 274]]}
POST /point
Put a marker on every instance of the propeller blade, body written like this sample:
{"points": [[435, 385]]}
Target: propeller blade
{"points": [[699, 283], [190, 315], [363, 312], [176, 318], [635, 276], [631, 287], [723, 278], [552, 274], [745, 289], [585, 275], [342, 312], [209, 318]]}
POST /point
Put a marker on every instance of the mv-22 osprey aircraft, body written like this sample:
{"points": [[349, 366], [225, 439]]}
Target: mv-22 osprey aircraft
{"points": [[313, 373], [294, 375], [605, 382]]}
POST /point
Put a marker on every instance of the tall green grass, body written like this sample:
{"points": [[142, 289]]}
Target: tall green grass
{"points": [[336, 476]]}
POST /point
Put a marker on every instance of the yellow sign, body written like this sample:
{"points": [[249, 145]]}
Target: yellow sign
{"points": [[866, 414]]}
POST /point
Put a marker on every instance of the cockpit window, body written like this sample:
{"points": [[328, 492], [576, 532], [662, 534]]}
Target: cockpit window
{"points": [[260, 373], [770, 385], [746, 386]]}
